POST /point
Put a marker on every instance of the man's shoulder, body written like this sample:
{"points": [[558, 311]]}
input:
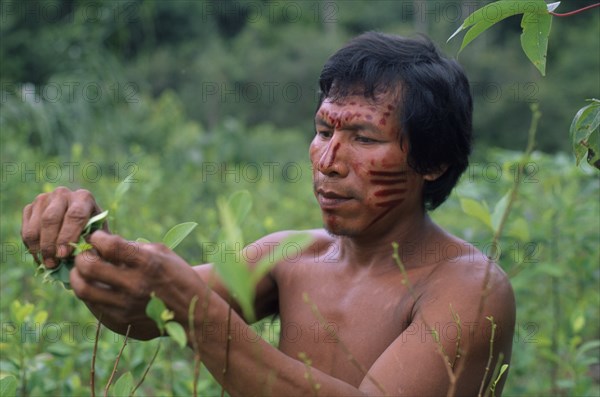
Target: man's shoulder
{"points": [[472, 283], [290, 242]]}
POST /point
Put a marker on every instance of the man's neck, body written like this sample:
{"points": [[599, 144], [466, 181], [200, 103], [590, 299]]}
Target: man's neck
{"points": [[419, 240]]}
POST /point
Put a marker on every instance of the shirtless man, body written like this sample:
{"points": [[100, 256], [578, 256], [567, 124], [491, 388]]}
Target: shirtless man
{"points": [[393, 132]]}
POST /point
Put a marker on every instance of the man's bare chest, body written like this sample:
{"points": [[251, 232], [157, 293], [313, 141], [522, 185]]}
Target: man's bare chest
{"points": [[341, 323]]}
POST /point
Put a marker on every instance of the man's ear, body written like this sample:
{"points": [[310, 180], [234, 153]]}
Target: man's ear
{"points": [[432, 176]]}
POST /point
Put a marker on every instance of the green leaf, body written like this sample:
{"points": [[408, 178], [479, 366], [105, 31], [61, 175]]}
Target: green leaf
{"points": [[94, 223], [499, 210], [21, 312], [176, 331], [487, 16], [536, 26], [167, 315], [240, 204], [154, 310], [141, 240], [8, 386], [176, 235], [231, 231], [503, 369], [124, 385], [519, 228], [477, 210], [123, 187], [578, 323], [584, 133]]}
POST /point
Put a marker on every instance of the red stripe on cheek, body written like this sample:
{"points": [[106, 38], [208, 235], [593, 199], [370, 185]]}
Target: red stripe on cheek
{"points": [[388, 192], [391, 203], [387, 181], [387, 173]]}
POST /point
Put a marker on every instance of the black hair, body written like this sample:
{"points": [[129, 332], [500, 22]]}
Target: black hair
{"points": [[435, 105]]}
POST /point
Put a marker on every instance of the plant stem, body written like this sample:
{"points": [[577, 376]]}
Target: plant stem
{"points": [[227, 344], [568, 14], [147, 368], [536, 114], [195, 347], [490, 356], [93, 369], [114, 371]]}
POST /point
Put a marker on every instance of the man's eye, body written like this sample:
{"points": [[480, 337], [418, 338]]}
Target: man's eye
{"points": [[364, 139], [324, 133]]}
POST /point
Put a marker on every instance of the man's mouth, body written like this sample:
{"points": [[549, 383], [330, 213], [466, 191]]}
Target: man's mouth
{"points": [[329, 199]]}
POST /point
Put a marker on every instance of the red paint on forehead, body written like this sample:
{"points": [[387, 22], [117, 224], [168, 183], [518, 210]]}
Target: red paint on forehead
{"points": [[382, 122]]}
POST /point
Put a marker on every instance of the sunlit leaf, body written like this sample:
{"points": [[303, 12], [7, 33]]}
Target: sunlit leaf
{"points": [[499, 210], [154, 310], [485, 17], [240, 204], [519, 228], [176, 235], [584, 133], [477, 210], [8, 386], [534, 39], [95, 223], [176, 331], [124, 385]]}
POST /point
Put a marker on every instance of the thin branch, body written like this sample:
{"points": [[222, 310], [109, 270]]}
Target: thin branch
{"points": [[147, 368], [490, 356], [568, 14], [308, 374], [114, 371], [195, 347], [227, 345], [513, 195], [93, 368]]}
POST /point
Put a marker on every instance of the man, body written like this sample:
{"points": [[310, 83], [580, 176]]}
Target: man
{"points": [[393, 133]]}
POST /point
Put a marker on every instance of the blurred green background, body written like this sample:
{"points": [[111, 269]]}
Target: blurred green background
{"points": [[197, 99]]}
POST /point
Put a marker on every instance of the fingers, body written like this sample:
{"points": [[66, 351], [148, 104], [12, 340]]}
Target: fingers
{"points": [[81, 206], [94, 269], [54, 220], [116, 249], [51, 221]]}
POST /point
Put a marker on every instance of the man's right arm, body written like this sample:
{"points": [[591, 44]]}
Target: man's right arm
{"points": [[53, 220]]}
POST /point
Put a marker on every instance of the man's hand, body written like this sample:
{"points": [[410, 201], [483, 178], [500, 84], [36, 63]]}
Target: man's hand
{"points": [[53, 221], [116, 278]]}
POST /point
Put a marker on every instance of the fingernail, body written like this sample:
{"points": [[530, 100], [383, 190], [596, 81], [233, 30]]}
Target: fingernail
{"points": [[50, 263], [61, 252]]}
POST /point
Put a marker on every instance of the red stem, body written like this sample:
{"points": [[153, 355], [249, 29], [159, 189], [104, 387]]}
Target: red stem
{"points": [[568, 14]]}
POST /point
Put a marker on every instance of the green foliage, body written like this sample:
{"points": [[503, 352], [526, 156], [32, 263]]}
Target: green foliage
{"points": [[585, 133], [535, 23], [61, 272], [8, 386], [238, 277], [153, 128]]}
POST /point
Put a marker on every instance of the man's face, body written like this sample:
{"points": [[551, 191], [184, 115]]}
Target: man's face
{"points": [[361, 177]]}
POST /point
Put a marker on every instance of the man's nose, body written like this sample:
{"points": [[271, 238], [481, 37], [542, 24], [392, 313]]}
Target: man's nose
{"points": [[332, 161]]}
